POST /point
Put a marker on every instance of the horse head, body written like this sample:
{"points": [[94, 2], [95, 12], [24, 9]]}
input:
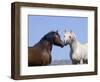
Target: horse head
{"points": [[54, 38], [69, 37]]}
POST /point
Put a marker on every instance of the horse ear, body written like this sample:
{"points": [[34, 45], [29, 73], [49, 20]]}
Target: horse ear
{"points": [[57, 30], [70, 31], [65, 30]]}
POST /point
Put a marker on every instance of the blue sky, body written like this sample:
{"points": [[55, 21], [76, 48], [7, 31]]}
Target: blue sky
{"points": [[39, 25]]}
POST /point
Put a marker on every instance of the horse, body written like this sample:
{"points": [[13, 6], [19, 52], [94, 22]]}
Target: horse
{"points": [[78, 51], [40, 53]]}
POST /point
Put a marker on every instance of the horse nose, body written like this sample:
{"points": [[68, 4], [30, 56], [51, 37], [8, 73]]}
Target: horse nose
{"points": [[62, 44], [65, 43]]}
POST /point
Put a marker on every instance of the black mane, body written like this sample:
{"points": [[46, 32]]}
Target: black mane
{"points": [[49, 36]]}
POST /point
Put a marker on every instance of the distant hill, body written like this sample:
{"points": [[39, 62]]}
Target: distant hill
{"points": [[61, 62]]}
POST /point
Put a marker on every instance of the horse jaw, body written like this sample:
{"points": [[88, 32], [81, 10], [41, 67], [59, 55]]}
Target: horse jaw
{"points": [[61, 44]]}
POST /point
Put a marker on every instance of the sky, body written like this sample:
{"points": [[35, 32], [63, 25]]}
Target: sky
{"points": [[39, 25]]}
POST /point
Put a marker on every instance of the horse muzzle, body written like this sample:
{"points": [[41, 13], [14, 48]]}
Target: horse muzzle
{"points": [[65, 43], [62, 44]]}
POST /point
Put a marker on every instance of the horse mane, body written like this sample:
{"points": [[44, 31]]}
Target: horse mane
{"points": [[48, 36]]}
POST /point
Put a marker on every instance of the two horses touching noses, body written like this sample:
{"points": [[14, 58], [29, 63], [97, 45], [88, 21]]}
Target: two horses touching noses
{"points": [[40, 53]]}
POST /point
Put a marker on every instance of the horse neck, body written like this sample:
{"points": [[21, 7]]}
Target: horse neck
{"points": [[46, 45], [74, 44]]}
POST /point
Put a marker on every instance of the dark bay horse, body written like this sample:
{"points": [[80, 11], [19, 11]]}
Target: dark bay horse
{"points": [[40, 53]]}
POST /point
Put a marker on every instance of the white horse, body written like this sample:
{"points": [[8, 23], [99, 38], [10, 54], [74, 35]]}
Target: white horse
{"points": [[78, 52]]}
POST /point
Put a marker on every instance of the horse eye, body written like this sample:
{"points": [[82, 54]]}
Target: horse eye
{"points": [[69, 36]]}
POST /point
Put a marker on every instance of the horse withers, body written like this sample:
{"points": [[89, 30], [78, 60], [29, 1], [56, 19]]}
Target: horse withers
{"points": [[40, 53], [78, 51]]}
